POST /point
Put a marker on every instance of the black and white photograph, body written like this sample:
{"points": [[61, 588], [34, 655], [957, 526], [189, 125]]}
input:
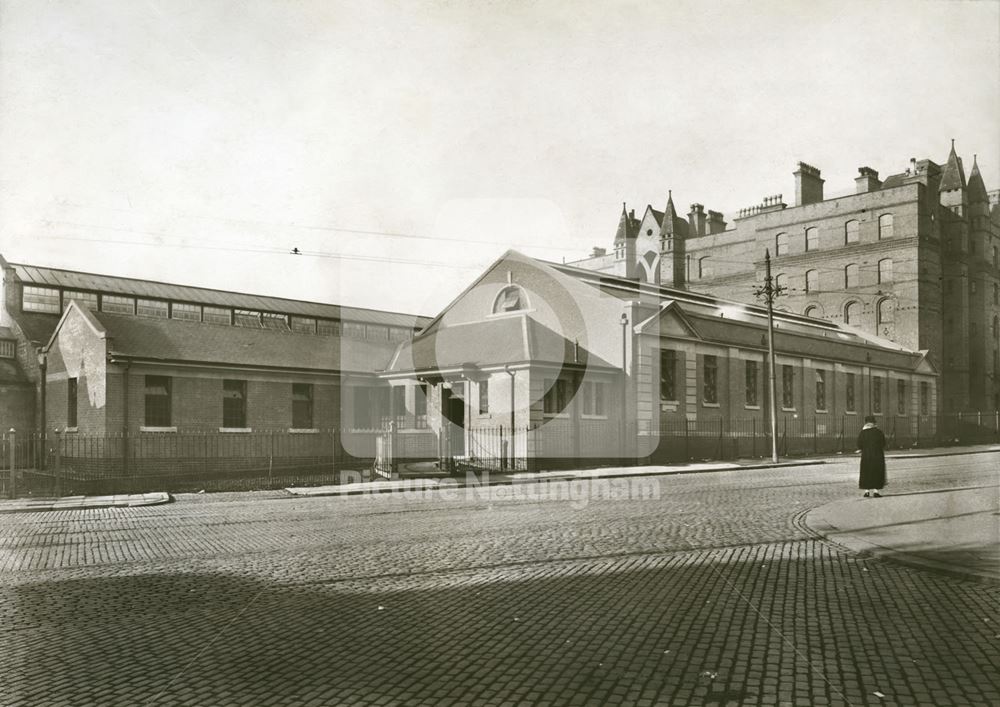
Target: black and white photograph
{"points": [[499, 353]]}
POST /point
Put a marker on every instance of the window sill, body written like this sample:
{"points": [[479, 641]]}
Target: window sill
{"points": [[242, 430], [850, 412], [751, 407], [710, 405], [555, 416], [593, 417], [822, 412], [157, 429], [303, 431], [71, 429], [784, 409]]}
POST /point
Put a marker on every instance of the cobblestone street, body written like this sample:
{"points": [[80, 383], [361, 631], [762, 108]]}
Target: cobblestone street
{"points": [[716, 592]]}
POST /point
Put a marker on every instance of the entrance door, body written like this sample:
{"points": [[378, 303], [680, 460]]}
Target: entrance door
{"points": [[453, 410]]}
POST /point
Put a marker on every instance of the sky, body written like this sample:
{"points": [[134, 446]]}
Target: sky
{"points": [[401, 147]]}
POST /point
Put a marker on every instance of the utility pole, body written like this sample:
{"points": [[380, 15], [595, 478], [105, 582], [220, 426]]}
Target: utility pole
{"points": [[769, 292]]}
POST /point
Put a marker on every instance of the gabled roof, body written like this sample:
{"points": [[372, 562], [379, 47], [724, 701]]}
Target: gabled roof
{"points": [[55, 277], [505, 340], [176, 341], [953, 176]]}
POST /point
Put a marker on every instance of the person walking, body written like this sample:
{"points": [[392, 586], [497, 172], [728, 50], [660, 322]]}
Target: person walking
{"points": [[871, 443]]}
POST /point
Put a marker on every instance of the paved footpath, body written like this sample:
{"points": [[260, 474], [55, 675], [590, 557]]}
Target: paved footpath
{"points": [[701, 588]]}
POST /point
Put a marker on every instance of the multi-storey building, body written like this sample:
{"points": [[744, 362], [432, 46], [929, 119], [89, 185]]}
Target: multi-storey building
{"points": [[912, 258]]}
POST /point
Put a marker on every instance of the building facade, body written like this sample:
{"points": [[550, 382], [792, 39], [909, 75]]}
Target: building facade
{"points": [[913, 258], [89, 354], [567, 365]]}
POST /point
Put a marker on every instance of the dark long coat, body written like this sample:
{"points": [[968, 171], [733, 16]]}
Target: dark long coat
{"points": [[871, 442]]}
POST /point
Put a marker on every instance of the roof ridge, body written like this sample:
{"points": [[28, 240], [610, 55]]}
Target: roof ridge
{"points": [[211, 289]]}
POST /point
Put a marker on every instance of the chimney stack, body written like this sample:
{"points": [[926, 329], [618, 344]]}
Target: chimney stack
{"points": [[696, 218], [598, 252], [866, 181], [808, 185], [715, 222]]}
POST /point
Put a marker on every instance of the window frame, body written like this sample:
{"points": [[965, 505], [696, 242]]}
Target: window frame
{"points": [[72, 402], [49, 299], [850, 392], [303, 395], [668, 375], [483, 389], [710, 380], [812, 243], [157, 407], [850, 231], [555, 402], [886, 226], [780, 244], [821, 390], [751, 384], [787, 386], [232, 385]]}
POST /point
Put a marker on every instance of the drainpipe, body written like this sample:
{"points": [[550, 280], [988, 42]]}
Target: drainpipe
{"points": [[43, 366], [125, 439]]}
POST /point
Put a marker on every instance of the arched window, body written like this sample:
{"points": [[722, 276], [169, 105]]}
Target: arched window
{"points": [[704, 267], [780, 281], [510, 299], [812, 238], [781, 244], [996, 293], [812, 311], [851, 232], [886, 312], [851, 275], [812, 280], [996, 327], [851, 312], [885, 270], [885, 226]]}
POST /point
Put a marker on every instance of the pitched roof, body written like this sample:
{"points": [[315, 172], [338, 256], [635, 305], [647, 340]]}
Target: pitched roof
{"points": [[494, 342], [628, 227], [953, 176], [172, 340], [55, 277], [977, 189]]}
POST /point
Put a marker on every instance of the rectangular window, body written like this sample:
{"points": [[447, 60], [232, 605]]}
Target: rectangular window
{"points": [[787, 386], [8, 348], [925, 397], [157, 401], [555, 399], [363, 418], [901, 397], [668, 375], [375, 332], [484, 397], [117, 304], [234, 403], [186, 312], [84, 299], [849, 394], [593, 399], [328, 327], [246, 318], [302, 406], [877, 396], [752, 383], [272, 320], [40, 299], [304, 325], [71, 402], [354, 330], [420, 405], [151, 308], [217, 315], [820, 390], [710, 387]]}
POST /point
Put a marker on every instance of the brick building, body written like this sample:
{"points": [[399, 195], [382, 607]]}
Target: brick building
{"points": [[912, 258], [119, 355], [582, 365]]}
